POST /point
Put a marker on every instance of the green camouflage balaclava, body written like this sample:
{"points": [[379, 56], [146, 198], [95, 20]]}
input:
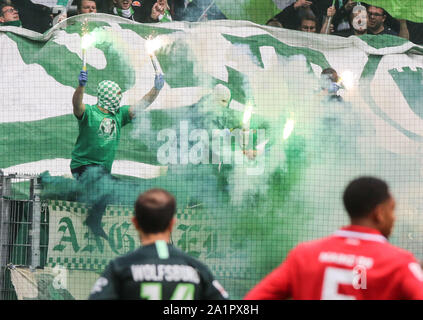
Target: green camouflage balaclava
{"points": [[109, 95]]}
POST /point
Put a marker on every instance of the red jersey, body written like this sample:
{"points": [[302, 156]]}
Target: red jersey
{"points": [[354, 263]]}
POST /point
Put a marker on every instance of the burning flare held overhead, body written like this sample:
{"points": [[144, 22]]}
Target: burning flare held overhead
{"points": [[151, 46], [87, 40]]}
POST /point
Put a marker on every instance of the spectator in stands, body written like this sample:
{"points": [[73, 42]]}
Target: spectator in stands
{"points": [[291, 16], [309, 23], [358, 20], [86, 6], [147, 11], [160, 12], [135, 11], [356, 262], [9, 16], [342, 16], [274, 23], [376, 24], [179, 276]]}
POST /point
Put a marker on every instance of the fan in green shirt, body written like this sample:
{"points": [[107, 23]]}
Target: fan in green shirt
{"points": [[157, 270], [99, 133]]}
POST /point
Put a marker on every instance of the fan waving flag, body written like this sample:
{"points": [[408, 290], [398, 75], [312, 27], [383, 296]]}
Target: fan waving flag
{"points": [[258, 11], [401, 9]]}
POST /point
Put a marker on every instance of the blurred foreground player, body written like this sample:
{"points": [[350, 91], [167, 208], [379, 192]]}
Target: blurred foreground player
{"points": [[356, 262], [157, 270]]}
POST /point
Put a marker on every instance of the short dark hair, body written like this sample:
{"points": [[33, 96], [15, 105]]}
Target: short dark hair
{"points": [[383, 10], [363, 194], [309, 15], [79, 4], [154, 209], [333, 75]]}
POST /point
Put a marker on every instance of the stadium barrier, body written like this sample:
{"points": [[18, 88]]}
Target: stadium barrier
{"points": [[22, 241]]}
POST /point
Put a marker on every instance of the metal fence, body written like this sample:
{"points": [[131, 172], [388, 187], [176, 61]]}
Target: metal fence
{"points": [[23, 220]]}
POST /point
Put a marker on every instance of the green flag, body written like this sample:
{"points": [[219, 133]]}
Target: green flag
{"points": [[258, 11], [62, 2], [401, 9]]}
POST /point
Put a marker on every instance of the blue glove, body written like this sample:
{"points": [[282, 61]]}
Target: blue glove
{"points": [[158, 81], [334, 88], [83, 78]]}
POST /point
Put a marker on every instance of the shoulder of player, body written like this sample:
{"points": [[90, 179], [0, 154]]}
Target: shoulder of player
{"points": [[189, 260], [313, 244], [399, 254], [128, 259], [305, 250]]}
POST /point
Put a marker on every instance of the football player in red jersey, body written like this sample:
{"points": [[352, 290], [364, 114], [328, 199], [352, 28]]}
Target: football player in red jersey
{"points": [[356, 262]]}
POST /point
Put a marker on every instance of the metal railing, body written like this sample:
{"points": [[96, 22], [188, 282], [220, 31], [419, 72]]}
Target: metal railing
{"points": [[22, 215]]}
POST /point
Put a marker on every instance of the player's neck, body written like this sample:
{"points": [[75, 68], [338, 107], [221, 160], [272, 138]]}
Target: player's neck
{"points": [[364, 223], [152, 238]]}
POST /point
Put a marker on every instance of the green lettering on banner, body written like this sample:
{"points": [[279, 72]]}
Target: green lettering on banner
{"points": [[119, 239], [78, 250], [67, 227], [88, 252], [98, 243]]}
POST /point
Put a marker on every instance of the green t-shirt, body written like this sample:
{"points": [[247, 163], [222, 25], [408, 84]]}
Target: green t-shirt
{"points": [[99, 135]]}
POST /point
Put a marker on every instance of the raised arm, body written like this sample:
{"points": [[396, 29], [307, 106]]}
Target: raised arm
{"points": [[403, 33], [78, 105], [149, 97], [331, 11]]}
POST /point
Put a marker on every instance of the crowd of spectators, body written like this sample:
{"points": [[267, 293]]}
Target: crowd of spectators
{"points": [[340, 17], [344, 18], [40, 18]]}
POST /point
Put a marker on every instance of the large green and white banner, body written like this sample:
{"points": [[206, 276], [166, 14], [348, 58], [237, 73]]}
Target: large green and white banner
{"points": [[250, 207]]}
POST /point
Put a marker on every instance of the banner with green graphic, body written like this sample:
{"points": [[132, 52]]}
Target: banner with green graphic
{"points": [[72, 245], [290, 148]]}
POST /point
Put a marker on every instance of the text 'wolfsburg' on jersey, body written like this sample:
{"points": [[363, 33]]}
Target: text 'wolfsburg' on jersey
{"points": [[157, 271]]}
